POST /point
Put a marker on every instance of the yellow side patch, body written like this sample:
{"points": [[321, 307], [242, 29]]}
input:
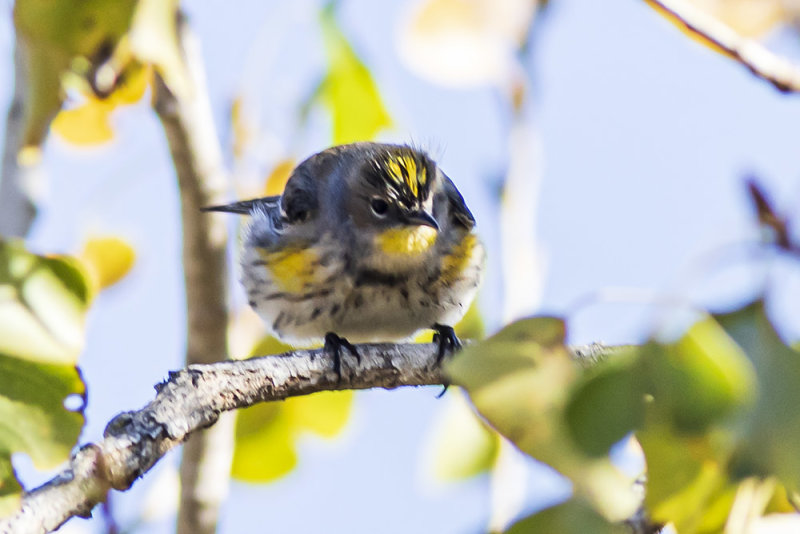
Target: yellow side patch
{"points": [[453, 264], [292, 270], [406, 241]]}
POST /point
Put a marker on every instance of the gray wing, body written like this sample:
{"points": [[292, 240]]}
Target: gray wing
{"points": [[459, 212]]}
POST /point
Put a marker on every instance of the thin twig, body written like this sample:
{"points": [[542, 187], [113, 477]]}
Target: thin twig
{"points": [[784, 75], [195, 397]]}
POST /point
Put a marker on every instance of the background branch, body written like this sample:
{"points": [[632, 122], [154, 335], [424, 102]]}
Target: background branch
{"points": [[197, 157], [766, 65], [194, 398], [16, 209]]}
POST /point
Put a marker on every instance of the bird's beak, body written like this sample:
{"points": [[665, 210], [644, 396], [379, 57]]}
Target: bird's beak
{"points": [[422, 218]]}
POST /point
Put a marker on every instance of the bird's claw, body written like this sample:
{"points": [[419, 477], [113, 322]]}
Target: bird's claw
{"points": [[448, 342], [333, 346]]}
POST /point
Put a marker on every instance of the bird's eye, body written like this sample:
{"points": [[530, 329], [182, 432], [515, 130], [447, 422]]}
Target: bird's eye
{"points": [[379, 206]]}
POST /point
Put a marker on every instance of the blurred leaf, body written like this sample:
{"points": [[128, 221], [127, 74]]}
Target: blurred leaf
{"points": [[686, 481], [773, 427], [268, 345], [10, 489], [464, 43], [517, 379], [154, 40], [348, 90], [463, 445], [701, 378], [607, 404], [43, 302], [58, 37], [572, 517], [90, 122], [267, 434], [280, 174], [471, 326], [520, 379], [264, 447], [85, 125], [723, 409], [108, 260], [324, 413], [780, 502]]}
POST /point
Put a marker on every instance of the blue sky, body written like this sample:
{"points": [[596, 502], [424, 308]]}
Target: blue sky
{"points": [[646, 137]]}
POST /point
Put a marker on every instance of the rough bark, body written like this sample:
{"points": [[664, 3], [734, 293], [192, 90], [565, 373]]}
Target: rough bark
{"points": [[193, 399]]}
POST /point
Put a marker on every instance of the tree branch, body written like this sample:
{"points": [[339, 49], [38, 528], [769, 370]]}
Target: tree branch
{"points": [[195, 397], [196, 154], [784, 75], [16, 209]]}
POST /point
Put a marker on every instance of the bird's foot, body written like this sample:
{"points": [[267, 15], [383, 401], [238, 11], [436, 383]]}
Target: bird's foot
{"points": [[448, 342], [333, 346]]}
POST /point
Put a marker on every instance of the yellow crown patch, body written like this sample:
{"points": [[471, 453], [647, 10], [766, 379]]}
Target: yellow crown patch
{"points": [[404, 171]]}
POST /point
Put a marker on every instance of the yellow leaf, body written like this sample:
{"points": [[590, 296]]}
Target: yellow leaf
{"points": [[264, 447], [277, 179], [90, 123], [85, 125], [463, 445], [348, 89], [107, 259], [324, 413]]}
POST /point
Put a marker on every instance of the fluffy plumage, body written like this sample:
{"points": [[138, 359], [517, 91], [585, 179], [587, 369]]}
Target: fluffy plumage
{"points": [[370, 241]]}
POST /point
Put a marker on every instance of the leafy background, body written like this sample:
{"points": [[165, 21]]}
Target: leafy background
{"points": [[639, 136]]}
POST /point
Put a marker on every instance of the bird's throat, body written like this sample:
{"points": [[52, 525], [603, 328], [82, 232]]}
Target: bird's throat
{"points": [[406, 241]]}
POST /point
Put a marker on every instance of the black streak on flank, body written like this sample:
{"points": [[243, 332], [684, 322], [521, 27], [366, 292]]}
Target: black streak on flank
{"points": [[277, 324], [376, 278]]}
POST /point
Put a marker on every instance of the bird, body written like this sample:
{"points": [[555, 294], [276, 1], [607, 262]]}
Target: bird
{"points": [[369, 242]]}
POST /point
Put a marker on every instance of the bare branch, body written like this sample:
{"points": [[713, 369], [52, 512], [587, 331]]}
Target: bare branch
{"points": [[784, 75], [194, 398], [197, 156]]}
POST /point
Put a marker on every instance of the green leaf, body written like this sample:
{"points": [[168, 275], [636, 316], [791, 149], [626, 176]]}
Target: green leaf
{"points": [[43, 302], [686, 480], [700, 379], [463, 445], [59, 37], [10, 489], [572, 517], [772, 428], [607, 404], [520, 380], [348, 90]]}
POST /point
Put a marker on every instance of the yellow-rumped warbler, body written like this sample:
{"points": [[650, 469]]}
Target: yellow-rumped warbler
{"points": [[369, 241]]}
